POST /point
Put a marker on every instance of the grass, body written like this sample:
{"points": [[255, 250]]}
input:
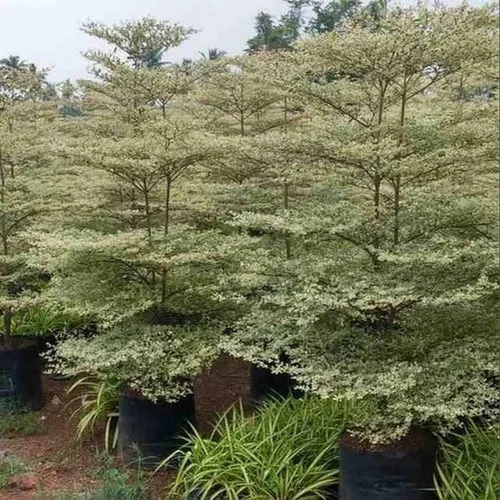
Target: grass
{"points": [[289, 450], [98, 402], [42, 321], [469, 468], [16, 423], [115, 485], [9, 467]]}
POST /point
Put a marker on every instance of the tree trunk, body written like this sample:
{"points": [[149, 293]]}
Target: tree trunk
{"points": [[285, 113], [147, 209], [3, 223], [397, 181], [168, 189], [288, 245], [242, 123]]}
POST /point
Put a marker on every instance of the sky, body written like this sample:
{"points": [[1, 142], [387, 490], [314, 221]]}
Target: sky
{"points": [[47, 32]]}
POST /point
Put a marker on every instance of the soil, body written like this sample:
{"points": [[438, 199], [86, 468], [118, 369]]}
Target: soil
{"points": [[224, 384], [416, 439], [59, 461]]}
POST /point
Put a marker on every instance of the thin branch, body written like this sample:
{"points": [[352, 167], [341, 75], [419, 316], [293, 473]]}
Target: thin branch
{"points": [[21, 219], [340, 109], [440, 227]]}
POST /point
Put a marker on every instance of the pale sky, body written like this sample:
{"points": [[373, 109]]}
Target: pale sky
{"points": [[47, 33]]}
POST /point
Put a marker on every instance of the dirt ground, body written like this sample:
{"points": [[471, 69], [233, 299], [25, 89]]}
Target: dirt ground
{"points": [[59, 462]]}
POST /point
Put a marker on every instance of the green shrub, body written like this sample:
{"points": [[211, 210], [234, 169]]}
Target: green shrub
{"points": [[288, 450], [469, 468], [97, 403]]}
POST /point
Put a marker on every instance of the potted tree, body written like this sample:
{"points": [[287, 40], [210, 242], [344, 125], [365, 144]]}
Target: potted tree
{"points": [[136, 260], [390, 298], [153, 368], [23, 171], [242, 105]]}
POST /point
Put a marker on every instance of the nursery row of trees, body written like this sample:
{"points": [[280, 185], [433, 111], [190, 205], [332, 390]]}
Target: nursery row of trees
{"points": [[327, 211]]}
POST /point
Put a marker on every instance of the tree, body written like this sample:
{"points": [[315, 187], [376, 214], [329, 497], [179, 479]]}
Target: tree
{"points": [[144, 143], [213, 54], [272, 35], [13, 62], [22, 81], [242, 106], [309, 16], [141, 43], [70, 97], [24, 196], [239, 98], [333, 15], [138, 260], [394, 264], [293, 21], [40, 88]]}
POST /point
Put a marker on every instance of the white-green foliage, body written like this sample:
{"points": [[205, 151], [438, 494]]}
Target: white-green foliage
{"points": [[335, 205], [26, 195], [140, 144], [156, 361], [134, 256], [139, 43], [389, 287], [113, 277]]}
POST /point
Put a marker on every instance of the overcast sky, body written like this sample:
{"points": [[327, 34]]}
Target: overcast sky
{"points": [[47, 33]]}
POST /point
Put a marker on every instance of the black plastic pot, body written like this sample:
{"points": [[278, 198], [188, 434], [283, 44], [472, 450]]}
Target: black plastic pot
{"points": [[149, 432], [332, 492], [401, 471], [195, 495], [267, 384], [21, 378]]}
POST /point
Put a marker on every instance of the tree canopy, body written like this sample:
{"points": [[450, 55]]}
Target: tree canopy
{"points": [[324, 206]]}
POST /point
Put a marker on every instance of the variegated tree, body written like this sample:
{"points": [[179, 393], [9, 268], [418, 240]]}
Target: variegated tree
{"points": [[26, 184], [390, 293], [141, 257]]}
